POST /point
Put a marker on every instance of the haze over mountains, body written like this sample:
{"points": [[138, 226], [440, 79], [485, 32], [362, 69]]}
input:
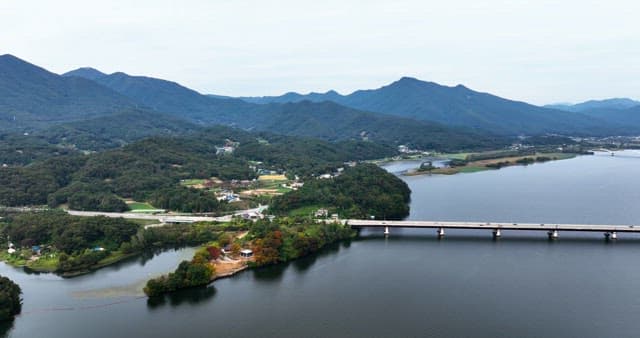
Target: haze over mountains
{"points": [[87, 106], [609, 104], [461, 106]]}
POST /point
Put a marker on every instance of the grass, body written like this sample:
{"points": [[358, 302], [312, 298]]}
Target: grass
{"points": [[472, 169], [456, 156], [12, 259], [45, 263], [270, 184], [139, 206], [283, 190], [305, 211], [193, 181], [114, 257]]}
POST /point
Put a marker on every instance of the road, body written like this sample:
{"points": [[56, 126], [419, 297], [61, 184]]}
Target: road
{"points": [[163, 218]]}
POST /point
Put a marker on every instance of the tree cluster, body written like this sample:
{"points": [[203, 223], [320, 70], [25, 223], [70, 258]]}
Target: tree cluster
{"points": [[151, 169], [192, 273], [69, 234], [10, 301], [286, 239], [360, 192]]}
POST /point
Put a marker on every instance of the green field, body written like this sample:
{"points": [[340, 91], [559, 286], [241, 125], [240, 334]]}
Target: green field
{"points": [[190, 182], [472, 169], [283, 190], [140, 206], [305, 211], [456, 156], [45, 263]]}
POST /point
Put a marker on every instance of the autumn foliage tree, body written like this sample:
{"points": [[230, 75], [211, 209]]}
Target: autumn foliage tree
{"points": [[267, 249], [214, 251]]}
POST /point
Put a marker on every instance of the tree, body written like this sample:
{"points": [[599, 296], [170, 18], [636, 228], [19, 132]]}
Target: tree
{"points": [[214, 251], [10, 301]]}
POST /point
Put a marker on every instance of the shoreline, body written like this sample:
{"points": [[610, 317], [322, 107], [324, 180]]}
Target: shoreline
{"points": [[73, 273], [495, 164], [229, 273]]}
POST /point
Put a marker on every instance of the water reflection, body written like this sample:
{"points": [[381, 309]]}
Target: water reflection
{"points": [[270, 274], [191, 296]]}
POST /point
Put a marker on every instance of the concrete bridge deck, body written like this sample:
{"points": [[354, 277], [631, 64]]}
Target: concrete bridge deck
{"points": [[552, 229]]}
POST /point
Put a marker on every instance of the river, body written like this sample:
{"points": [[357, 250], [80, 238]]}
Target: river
{"points": [[409, 284]]}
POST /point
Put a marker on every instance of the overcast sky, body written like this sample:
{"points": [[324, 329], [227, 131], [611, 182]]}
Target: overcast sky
{"points": [[537, 51]]}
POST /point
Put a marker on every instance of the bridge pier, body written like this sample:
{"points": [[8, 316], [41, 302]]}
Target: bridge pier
{"points": [[440, 233], [610, 235], [496, 233], [553, 234], [386, 231]]}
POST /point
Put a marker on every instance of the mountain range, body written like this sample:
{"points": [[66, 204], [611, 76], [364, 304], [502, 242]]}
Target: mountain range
{"points": [[461, 106], [87, 106], [592, 105]]}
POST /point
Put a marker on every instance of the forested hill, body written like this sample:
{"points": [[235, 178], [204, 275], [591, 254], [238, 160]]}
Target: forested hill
{"points": [[152, 168], [591, 105], [625, 118], [360, 192], [33, 99], [31, 96], [96, 134], [457, 106], [624, 113], [171, 97], [328, 121]]}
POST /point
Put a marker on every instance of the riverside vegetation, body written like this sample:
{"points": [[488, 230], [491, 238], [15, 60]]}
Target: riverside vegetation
{"points": [[498, 159], [58, 242], [360, 191], [54, 241]]}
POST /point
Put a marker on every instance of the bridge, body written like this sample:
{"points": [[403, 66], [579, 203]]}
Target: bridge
{"points": [[552, 230]]}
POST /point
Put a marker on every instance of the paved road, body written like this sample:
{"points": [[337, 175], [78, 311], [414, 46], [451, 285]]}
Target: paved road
{"points": [[165, 217]]}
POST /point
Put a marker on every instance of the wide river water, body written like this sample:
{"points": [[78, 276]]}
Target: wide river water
{"points": [[409, 284]]}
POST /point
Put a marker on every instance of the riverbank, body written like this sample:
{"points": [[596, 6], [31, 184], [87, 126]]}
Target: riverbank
{"points": [[50, 263], [492, 164], [271, 243], [225, 269]]}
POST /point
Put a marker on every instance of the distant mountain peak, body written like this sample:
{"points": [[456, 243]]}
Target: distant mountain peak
{"points": [[408, 79], [612, 103], [86, 72], [8, 57]]}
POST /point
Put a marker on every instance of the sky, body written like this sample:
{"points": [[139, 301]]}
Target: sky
{"points": [[536, 51]]}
